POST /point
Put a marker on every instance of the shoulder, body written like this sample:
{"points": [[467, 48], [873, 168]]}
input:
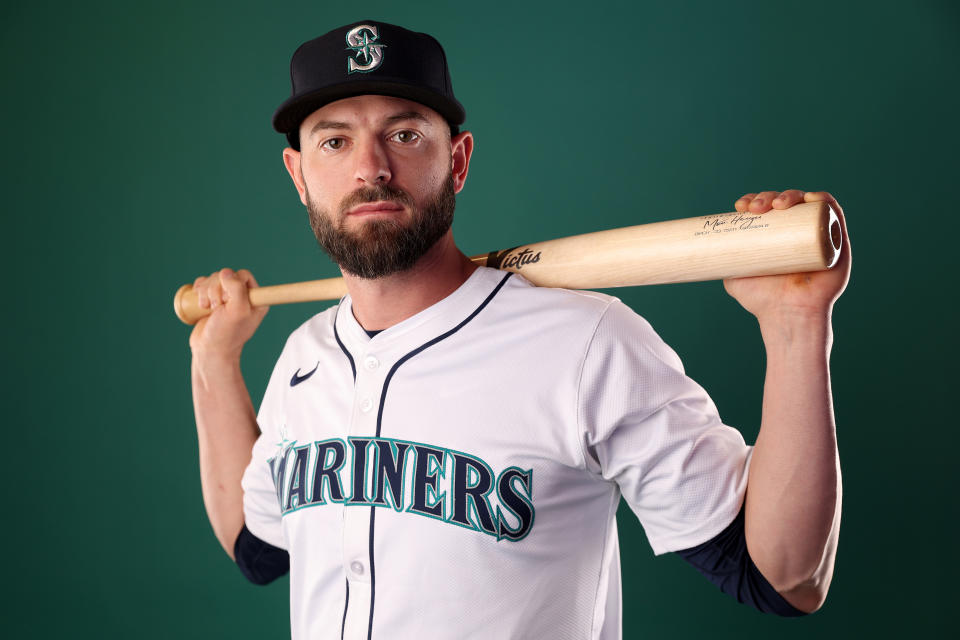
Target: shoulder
{"points": [[541, 315], [318, 328], [520, 293], [607, 314], [586, 322]]}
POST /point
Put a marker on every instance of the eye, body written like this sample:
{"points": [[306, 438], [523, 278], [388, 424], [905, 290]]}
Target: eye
{"points": [[333, 144], [405, 137]]}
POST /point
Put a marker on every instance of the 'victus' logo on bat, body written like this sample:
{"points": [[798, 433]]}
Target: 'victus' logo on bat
{"points": [[369, 55], [512, 259]]}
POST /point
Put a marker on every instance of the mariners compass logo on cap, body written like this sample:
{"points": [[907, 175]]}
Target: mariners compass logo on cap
{"points": [[361, 39]]}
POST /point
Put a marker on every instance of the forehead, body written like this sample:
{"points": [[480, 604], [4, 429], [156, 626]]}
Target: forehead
{"points": [[370, 109]]}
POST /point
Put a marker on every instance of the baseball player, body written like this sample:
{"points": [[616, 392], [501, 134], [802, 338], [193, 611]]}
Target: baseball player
{"points": [[442, 453]]}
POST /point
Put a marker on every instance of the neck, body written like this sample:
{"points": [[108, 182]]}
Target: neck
{"points": [[384, 302]]}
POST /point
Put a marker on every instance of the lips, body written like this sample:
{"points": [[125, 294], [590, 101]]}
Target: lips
{"points": [[372, 208]]}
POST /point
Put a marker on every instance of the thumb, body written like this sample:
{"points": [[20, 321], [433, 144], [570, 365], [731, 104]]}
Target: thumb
{"points": [[234, 290]]}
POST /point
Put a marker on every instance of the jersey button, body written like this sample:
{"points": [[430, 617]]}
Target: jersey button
{"points": [[371, 363], [357, 567], [366, 404]]}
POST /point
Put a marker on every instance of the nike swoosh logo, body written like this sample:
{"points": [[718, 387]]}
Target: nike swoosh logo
{"points": [[297, 378]]}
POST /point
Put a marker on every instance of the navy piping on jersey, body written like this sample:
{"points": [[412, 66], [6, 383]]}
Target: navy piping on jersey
{"points": [[343, 623], [353, 370], [336, 335], [383, 397], [443, 336]]}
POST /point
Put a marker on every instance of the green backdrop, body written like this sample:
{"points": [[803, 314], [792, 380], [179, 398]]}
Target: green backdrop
{"points": [[138, 154]]}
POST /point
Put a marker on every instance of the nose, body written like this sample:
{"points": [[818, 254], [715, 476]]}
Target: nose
{"points": [[372, 162]]}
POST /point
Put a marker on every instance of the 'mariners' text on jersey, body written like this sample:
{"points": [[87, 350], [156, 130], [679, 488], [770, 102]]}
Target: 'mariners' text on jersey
{"points": [[410, 477]]}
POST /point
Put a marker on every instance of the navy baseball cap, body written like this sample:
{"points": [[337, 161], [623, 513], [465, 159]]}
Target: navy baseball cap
{"points": [[367, 57]]}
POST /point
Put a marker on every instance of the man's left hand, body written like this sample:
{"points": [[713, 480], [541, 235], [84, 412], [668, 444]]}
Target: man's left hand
{"points": [[804, 294]]}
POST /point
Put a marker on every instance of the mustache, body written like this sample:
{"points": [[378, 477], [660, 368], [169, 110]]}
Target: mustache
{"points": [[378, 193]]}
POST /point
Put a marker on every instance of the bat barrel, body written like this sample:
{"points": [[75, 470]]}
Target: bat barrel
{"points": [[805, 237]]}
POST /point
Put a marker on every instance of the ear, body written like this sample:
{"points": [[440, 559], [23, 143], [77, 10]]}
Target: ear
{"points": [[291, 160], [461, 148]]}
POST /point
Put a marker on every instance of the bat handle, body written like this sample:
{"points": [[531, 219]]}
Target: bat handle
{"points": [[186, 303]]}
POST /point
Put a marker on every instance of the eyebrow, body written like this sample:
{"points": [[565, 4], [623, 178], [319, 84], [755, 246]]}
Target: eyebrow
{"points": [[398, 117], [409, 115], [328, 124]]}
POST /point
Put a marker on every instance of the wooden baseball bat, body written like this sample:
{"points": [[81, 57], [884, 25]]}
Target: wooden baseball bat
{"points": [[805, 237]]}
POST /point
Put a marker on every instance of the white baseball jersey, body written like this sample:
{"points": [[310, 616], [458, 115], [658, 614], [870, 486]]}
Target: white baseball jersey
{"points": [[458, 475]]}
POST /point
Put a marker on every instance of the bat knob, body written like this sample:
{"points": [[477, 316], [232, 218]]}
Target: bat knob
{"points": [[187, 306], [834, 238]]}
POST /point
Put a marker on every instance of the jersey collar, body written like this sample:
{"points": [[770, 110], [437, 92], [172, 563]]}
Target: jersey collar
{"points": [[423, 326]]}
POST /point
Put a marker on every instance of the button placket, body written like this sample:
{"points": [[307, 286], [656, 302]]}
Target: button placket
{"points": [[366, 396], [356, 517]]}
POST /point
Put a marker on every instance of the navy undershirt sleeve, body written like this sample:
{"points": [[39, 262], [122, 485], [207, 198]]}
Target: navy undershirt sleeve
{"points": [[725, 562], [260, 562]]}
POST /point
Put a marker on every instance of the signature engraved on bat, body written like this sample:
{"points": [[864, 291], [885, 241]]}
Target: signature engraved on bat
{"points": [[730, 222]]}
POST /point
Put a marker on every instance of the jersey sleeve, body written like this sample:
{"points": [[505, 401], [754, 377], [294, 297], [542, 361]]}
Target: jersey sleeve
{"points": [[261, 508], [645, 425]]}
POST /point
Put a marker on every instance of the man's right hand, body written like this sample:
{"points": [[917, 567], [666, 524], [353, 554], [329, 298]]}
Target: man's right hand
{"points": [[232, 321], [226, 421]]}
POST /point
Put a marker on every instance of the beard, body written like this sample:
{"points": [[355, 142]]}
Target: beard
{"points": [[383, 247]]}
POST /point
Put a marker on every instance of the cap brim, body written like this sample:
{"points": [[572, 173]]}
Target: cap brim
{"points": [[291, 113]]}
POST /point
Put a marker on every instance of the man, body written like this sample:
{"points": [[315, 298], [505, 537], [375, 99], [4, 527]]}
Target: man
{"points": [[441, 455]]}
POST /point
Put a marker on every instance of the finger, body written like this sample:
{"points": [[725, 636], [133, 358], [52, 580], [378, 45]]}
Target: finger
{"points": [[788, 198], [251, 282], [761, 203], [200, 286], [234, 290], [247, 278], [743, 202], [820, 196], [214, 290]]}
